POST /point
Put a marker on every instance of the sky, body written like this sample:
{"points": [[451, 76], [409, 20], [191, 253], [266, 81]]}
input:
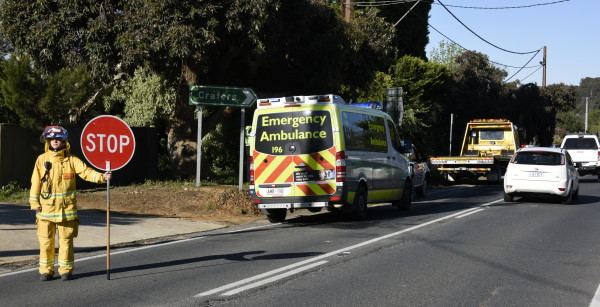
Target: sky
{"points": [[570, 30]]}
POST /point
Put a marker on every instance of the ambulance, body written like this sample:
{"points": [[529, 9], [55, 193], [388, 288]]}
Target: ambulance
{"points": [[314, 152]]}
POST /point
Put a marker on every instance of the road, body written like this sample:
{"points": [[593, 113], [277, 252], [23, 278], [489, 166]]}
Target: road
{"points": [[460, 246]]}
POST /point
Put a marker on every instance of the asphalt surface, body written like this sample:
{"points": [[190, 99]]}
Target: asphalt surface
{"points": [[19, 243]]}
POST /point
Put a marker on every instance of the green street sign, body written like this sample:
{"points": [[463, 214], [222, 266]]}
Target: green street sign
{"points": [[202, 95]]}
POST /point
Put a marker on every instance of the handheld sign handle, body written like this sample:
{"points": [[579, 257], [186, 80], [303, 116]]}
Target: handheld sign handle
{"points": [[108, 223]]}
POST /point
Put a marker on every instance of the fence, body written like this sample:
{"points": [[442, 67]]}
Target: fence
{"points": [[19, 149]]}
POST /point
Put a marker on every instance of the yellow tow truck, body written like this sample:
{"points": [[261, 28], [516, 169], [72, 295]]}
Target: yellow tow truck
{"points": [[487, 147]]}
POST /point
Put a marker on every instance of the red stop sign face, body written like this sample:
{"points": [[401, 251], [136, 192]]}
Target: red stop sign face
{"points": [[107, 142]]}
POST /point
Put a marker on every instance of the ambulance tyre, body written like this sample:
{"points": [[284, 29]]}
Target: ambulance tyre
{"points": [[275, 215], [406, 201], [358, 209]]}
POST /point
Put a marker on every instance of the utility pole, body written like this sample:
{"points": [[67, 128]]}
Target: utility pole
{"points": [[586, 114], [544, 69], [347, 10]]}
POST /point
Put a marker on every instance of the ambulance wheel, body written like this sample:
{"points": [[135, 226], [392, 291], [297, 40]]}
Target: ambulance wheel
{"points": [[406, 200], [275, 215], [359, 208]]}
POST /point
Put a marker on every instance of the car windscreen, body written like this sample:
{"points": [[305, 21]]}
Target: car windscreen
{"points": [[293, 133], [539, 158], [580, 143]]}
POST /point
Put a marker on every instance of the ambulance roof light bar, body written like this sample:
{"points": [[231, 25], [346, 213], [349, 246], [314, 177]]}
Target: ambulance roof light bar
{"points": [[299, 100]]}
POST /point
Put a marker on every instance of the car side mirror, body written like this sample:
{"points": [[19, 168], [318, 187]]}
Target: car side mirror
{"points": [[406, 146], [577, 164]]}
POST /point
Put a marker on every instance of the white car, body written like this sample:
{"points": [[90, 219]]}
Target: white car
{"points": [[541, 171]]}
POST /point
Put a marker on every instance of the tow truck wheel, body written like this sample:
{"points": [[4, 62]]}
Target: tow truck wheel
{"points": [[275, 215]]}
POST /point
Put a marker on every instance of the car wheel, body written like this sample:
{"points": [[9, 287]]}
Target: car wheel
{"points": [[275, 215], [422, 190], [567, 200], [576, 194], [406, 199], [508, 198]]}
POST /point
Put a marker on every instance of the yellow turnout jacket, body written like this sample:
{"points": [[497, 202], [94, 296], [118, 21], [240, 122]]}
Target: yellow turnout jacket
{"points": [[53, 187]]}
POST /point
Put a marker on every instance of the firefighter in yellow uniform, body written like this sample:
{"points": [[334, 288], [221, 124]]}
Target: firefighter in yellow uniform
{"points": [[52, 196]]}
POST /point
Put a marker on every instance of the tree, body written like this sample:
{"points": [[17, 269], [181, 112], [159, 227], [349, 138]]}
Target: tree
{"points": [[276, 46], [38, 101], [22, 88], [426, 86], [446, 53]]}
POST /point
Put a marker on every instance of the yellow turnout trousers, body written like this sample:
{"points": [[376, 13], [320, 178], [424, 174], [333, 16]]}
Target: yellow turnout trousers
{"points": [[46, 232]]}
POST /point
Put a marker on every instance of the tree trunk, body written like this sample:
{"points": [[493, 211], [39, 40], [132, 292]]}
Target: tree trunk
{"points": [[181, 132]]}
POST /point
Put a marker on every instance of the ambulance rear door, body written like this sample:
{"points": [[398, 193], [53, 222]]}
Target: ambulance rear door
{"points": [[294, 152]]}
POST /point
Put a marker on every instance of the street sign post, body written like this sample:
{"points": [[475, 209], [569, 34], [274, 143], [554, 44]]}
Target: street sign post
{"points": [[224, 96], [107, 142]]}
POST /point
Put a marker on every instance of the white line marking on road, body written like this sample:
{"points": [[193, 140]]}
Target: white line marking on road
{"points": [[145, 247], [339, 251], [474, 211], [275, 278], [596, 299]]}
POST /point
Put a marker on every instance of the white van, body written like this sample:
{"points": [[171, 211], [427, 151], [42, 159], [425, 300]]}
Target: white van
{"points": [[317, 152]]}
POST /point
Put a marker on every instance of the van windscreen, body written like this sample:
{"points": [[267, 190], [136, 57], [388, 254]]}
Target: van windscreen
{"points": [[293, 133]]}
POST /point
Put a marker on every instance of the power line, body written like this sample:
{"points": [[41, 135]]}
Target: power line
{"points": [[523, 66], [483, 39], [532, 73], [506, 7], [394, 2], [459, 45]]}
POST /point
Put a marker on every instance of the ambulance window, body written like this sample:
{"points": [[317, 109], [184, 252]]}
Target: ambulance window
{"points": [[394, 138], [364, 132], [296, 133]]}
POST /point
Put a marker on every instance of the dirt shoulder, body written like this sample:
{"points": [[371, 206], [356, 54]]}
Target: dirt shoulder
{"points": [[210, 203]]}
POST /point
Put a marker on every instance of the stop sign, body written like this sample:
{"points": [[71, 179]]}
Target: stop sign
{"points": [[107, 142]]}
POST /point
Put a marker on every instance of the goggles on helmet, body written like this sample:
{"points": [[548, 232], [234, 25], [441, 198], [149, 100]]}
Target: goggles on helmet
{"points": [[52, 132]]}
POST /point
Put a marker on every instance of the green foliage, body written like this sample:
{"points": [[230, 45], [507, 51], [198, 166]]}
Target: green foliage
{"points": [[146, 98], [13, 193], [21, 89], [446, 53], [410, 37], [38, 101], [594, 121], [220, 152], [426, 86], [568, 122], [65, 92]]}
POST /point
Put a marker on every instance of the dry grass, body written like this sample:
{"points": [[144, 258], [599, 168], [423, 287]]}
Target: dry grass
{"points": [[212, 203]]}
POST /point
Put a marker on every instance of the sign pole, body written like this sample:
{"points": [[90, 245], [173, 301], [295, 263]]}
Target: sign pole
{"points": [[108, 223], [199, 146], [242, 147]]}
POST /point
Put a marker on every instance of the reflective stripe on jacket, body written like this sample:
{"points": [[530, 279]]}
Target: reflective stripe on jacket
{"points": [[54, 189]]}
